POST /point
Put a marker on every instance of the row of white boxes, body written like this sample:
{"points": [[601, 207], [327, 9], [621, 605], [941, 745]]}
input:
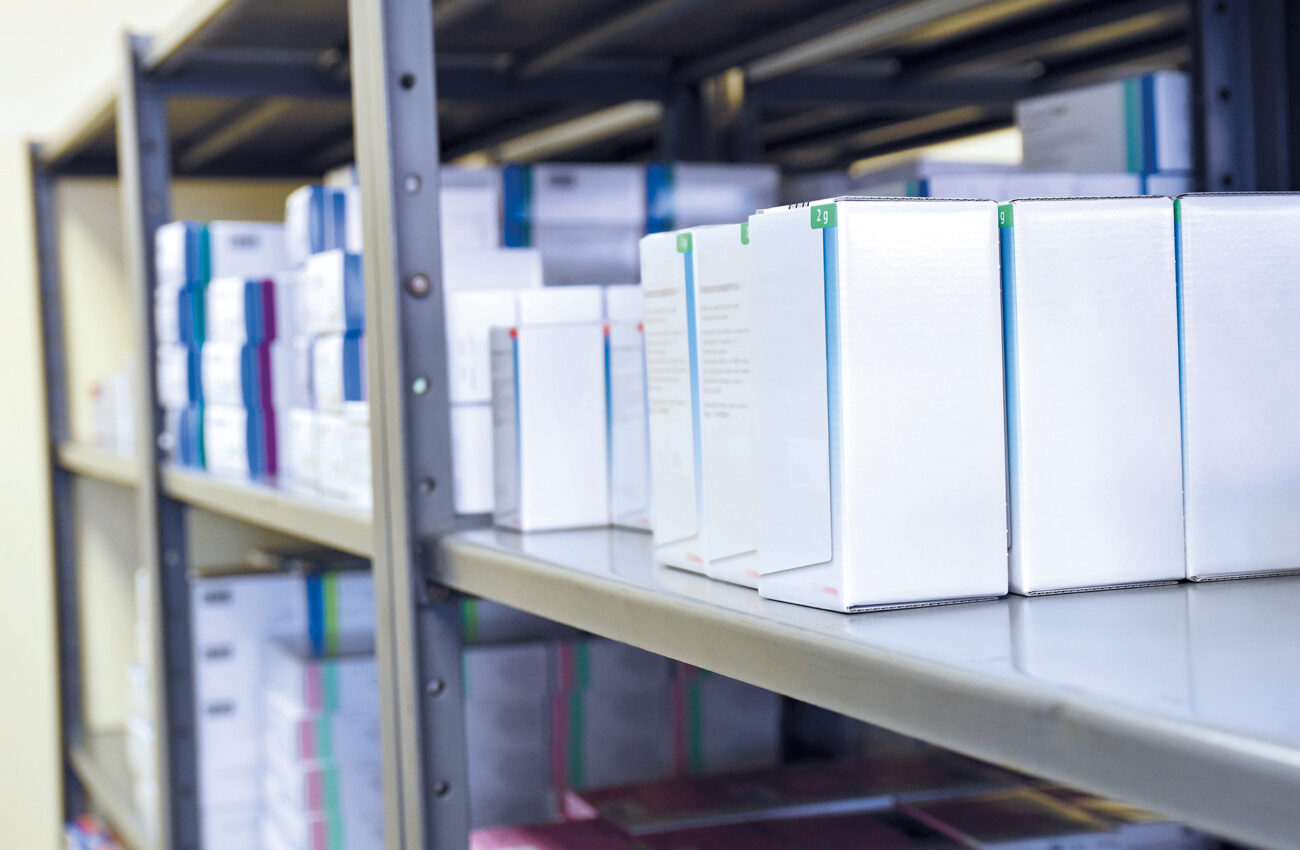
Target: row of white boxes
{"points": [[1115, 139], [829, 419]]}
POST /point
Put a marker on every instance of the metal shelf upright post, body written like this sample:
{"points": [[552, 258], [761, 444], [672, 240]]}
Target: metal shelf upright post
{"points": [[144, 168], [419, 646]]}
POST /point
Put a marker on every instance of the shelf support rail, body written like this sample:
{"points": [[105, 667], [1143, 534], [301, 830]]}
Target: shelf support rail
{"points": [[144, 171], [418, 636], [62, 512]]}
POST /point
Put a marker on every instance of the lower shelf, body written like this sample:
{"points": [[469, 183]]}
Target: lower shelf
{"points": [[1159, 696], [99, 760]]}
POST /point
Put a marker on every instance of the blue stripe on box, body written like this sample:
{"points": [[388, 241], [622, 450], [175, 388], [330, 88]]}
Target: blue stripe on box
{"points": [[1007, 234], [659, 197], [316, 614], [1149, 154], [516, 204], [354, 294], [353, 367], [831, 282], [693, 359]]}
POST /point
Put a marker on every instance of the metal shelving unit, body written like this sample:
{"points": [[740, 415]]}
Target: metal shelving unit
{"points": [[290, 88]]}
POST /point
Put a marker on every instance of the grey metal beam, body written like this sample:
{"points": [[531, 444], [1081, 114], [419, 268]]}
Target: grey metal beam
{"points": [[618, 28], [480, 79], [448, 13], [396, 129], [234, 129], [143, 166], [1163, 50], [1015, 38], [211, 75], [1242, 94], [500, 133], [778, 38], [842, 86], [62, 511]]}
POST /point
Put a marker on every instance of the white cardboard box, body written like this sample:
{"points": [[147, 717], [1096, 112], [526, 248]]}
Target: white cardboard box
{"points": [[700, 384], [1239, 310], [338, 370], [348, 682], [624, 303], [1092, 393], [331, 294], [226, 445], [561, 304], [467, 270], [471, 209], [246, 249], [690, 194], [1142, 125], [879, 338], [298, 454], [629, 438], [471, 459], [315, 221], [548, 421]]}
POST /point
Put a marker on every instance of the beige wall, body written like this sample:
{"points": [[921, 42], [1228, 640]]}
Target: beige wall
{"points": [[52, 55]]}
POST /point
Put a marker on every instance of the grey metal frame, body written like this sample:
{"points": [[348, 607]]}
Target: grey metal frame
{"points": [[396, 130], [144, 169]]}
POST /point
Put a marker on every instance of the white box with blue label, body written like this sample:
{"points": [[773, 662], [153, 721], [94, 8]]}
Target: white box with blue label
{"points": [[629, 434], [1092, 393], [1239, 308], [338, 370], [878, 332], [549, 440], [315, 221], [700, 380], [693, 194], [1141, 125], [331, 294]]}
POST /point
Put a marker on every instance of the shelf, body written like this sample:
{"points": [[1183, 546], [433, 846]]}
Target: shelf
{"points": [[314, 519], [1183, 699], [100, 464], [262, 89], [100, 763]]}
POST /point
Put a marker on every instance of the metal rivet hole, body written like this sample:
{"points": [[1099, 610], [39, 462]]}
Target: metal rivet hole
{"points": [[420, 386], [427, 486], [440, 788], [436, 687], [408, 80], [412, 183]]}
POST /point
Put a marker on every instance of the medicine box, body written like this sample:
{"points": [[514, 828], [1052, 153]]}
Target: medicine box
{"points": [[699, 340], [315, 221], [1094, 457], [347, 682], [244, 249], [1142, 125], [722, 724], [879, 338], [629, 439], [1238, 310], [549, 426], [298, 453], [331, 294], [338, 370], [471, 210], [347, 789], [687, 194], [471, 269], [249, 310], [624, 303], [239, 442]]}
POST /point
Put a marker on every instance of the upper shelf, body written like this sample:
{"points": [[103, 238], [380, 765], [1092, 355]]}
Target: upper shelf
{"points": [[1161, 696], [261, 88], [95, 462], [314, 519]]}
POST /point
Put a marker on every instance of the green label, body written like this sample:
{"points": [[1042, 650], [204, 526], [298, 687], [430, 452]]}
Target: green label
{"points": [[683, 243], [1006, 216], [1178, 210], [744, 233], [823, 216]]}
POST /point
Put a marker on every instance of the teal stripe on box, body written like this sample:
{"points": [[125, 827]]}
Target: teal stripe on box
{"points": [[831, 282], [1007, 234]]}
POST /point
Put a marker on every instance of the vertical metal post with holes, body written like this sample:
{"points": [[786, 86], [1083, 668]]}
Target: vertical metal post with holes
{"points": [[418, 641], [62, 511], [144, 171], [1246, 90]]}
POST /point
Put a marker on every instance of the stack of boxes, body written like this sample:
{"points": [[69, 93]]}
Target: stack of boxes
{"points": [[329, 417], [237, 425], [241, 627], [547, 718]]}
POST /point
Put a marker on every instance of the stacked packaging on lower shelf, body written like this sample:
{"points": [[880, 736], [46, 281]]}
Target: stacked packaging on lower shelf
{"points": [[241, 626], [546, 717], [930, 800]]}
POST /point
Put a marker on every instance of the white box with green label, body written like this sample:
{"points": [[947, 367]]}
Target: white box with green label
{"points": [[1142, 125], [878, 329], [700, 385], [549, 421], [1092, 393], [1239, 306]]}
